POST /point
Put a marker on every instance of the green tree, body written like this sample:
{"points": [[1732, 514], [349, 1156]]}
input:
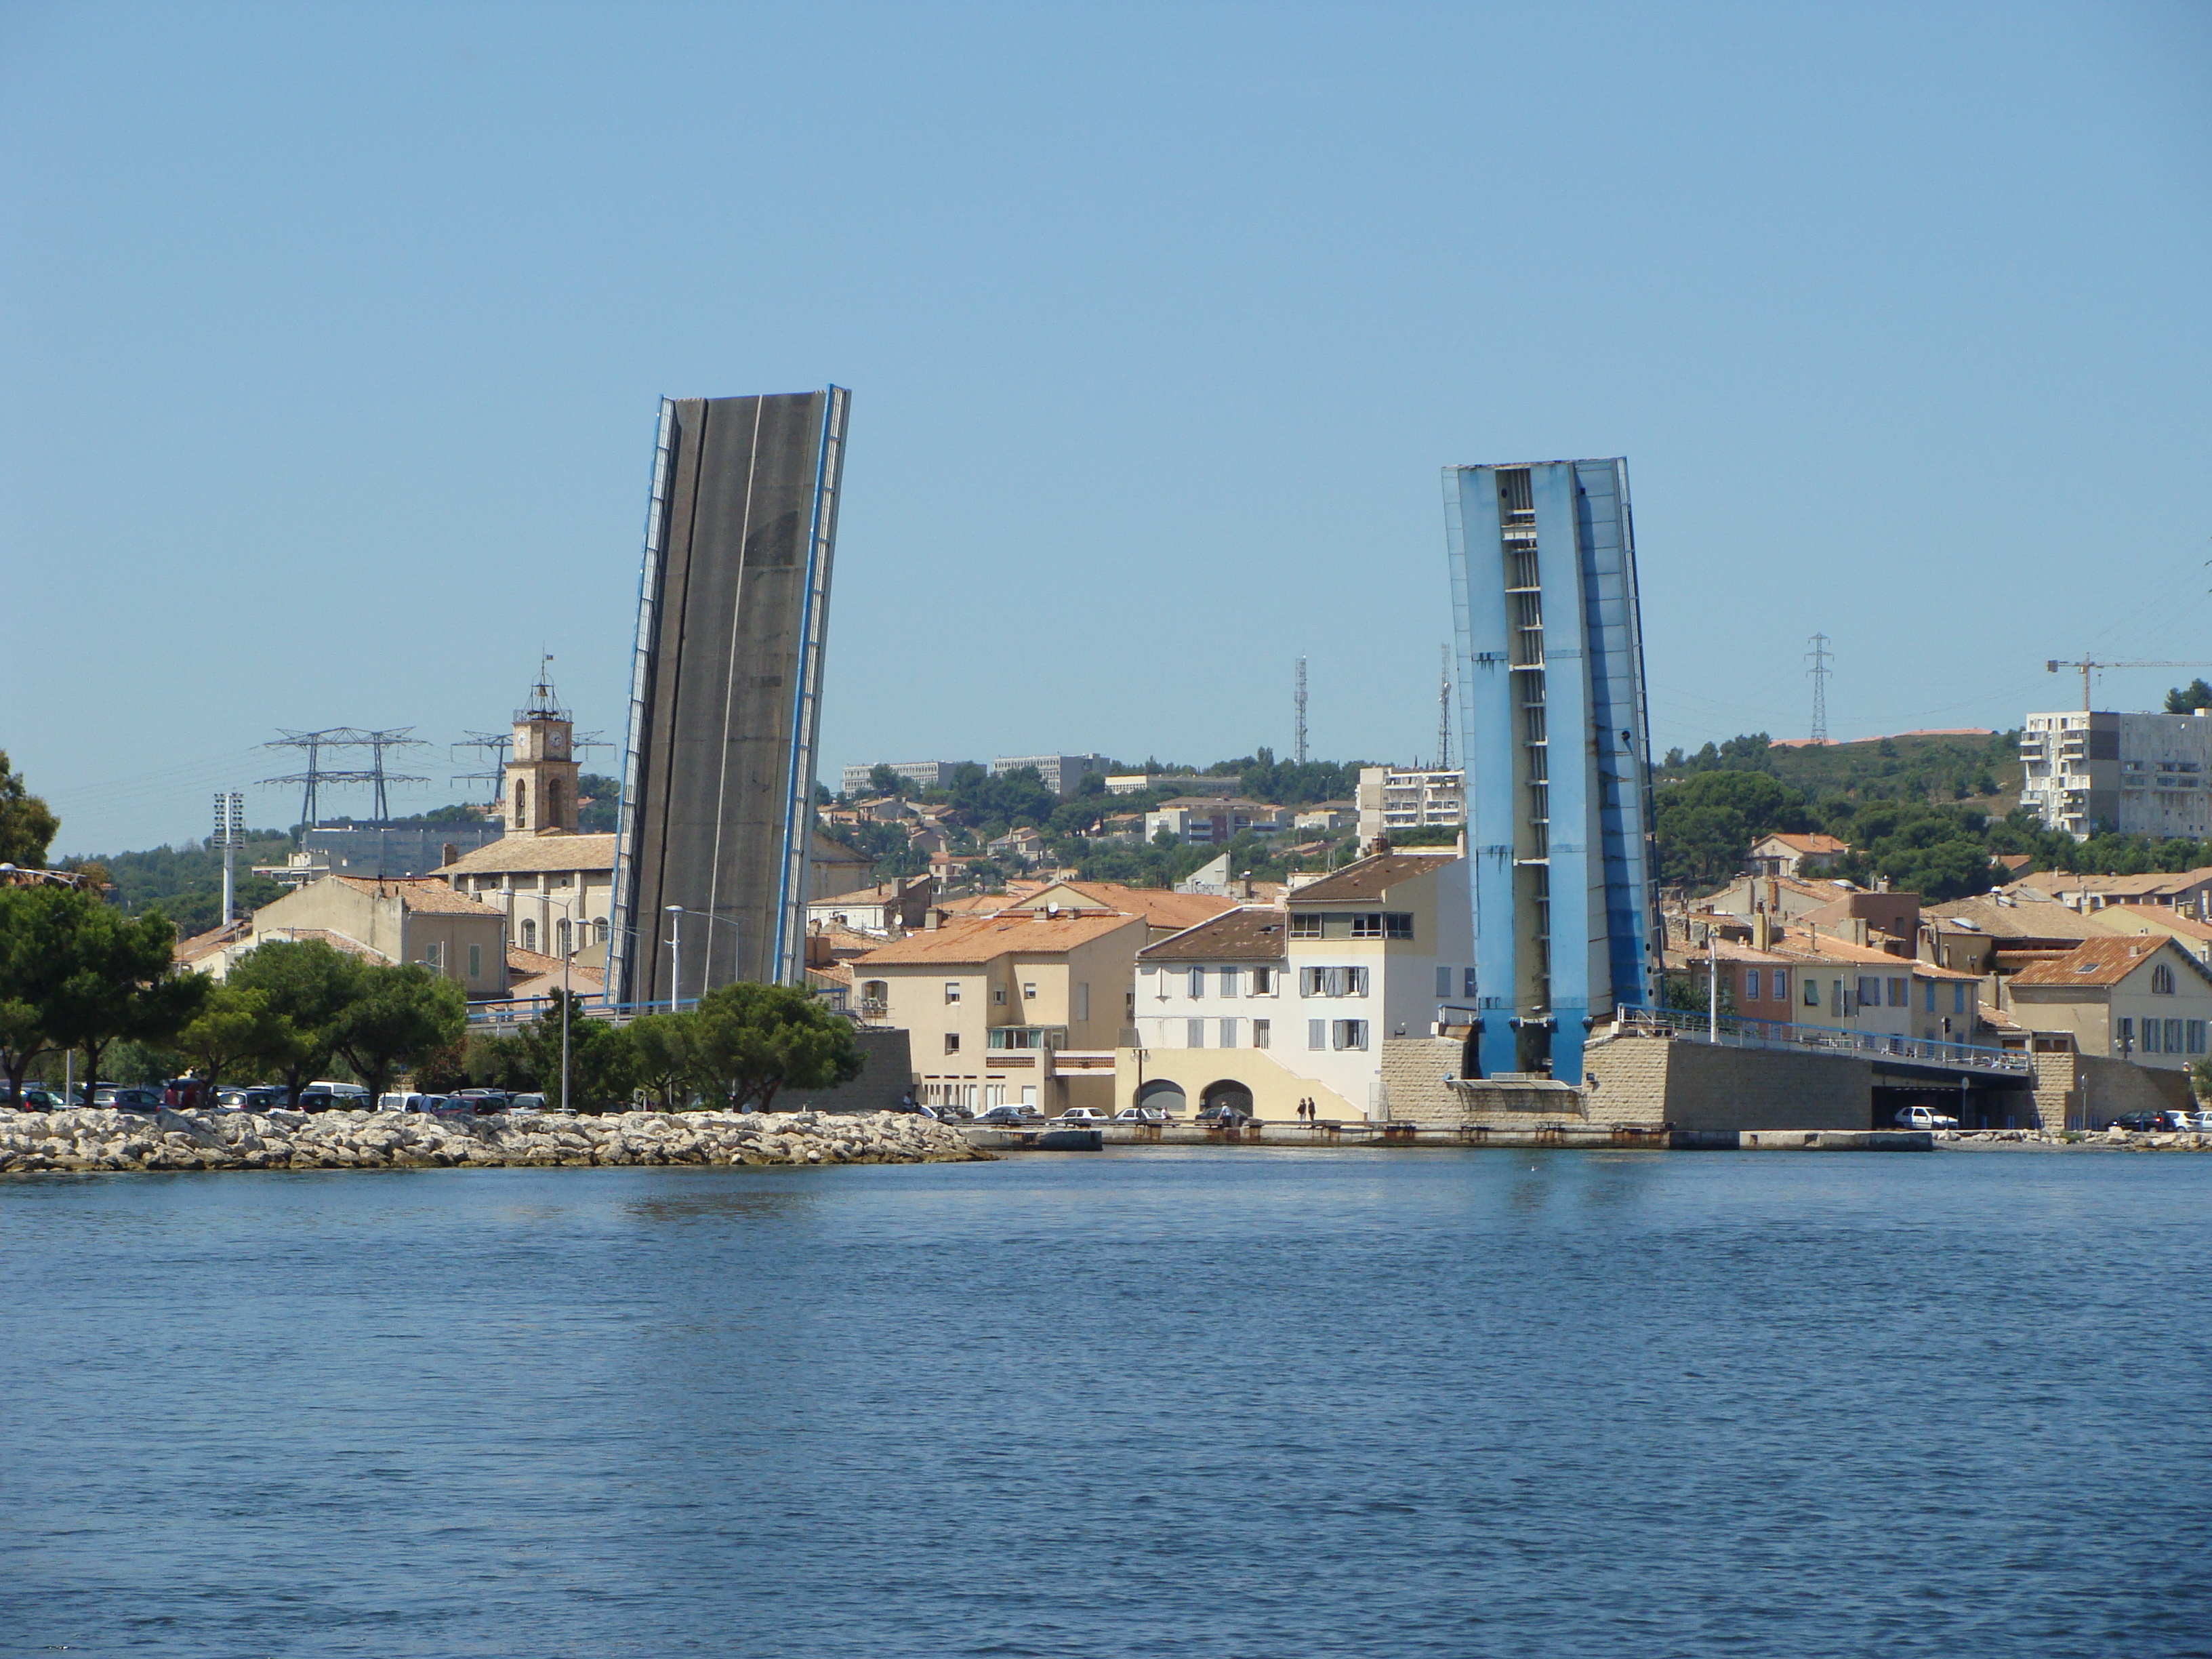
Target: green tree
{"points": [[885, 781], [755, 1040], [110, 976], [664, 1056], [27, 824], [234, 1025], [1705, 824], [600, 1070], [400, 1013], [2182, 700], [310, 987]]}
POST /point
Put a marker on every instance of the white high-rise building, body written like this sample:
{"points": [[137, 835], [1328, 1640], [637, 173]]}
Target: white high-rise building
{"points": [[2141, 774]]}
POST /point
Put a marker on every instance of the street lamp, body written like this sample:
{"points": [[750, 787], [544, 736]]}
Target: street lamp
{"points": [[675, 956], [567, 996], [676, 912]]}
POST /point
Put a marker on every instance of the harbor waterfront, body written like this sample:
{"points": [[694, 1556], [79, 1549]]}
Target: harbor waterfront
{"points": [[1206, 1401]]}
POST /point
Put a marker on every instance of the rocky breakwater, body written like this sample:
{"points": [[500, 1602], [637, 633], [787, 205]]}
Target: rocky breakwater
{"points": [[100, 1140]]}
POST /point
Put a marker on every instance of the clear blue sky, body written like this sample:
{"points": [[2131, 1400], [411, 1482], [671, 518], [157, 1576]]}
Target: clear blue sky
{"points": [[331, 339]]}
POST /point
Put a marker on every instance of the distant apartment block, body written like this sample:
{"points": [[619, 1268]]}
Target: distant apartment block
{"points": [[1197, 821], [922, 774], [1393, 798], [1060, 773], [2143, 775]]}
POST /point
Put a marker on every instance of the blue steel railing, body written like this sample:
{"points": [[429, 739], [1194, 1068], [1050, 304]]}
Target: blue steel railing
{"points": [[1736, 1033]]}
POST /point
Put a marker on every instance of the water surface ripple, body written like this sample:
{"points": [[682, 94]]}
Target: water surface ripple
{"points": [[1210, 1402]]}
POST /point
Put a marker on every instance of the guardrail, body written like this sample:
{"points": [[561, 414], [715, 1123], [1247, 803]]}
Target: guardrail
{"points": [[1823, 1039]]}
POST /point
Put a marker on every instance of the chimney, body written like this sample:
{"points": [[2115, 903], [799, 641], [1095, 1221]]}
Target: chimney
{"points": [[933, 919], [1858, 934], [1762, 931]]}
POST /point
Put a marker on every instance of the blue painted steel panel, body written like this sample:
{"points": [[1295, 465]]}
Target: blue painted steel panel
{"points": [[1487, 738], [1567, 694], [1598, 757]]}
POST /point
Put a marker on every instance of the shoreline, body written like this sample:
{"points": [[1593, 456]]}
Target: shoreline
{"points": [[99, 1139]]}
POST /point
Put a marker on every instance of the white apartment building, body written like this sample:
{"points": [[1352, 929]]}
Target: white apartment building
{"points": [[1393, 798], [922, 774], [1060, 773], [2145, 775], [1262, 1008]]}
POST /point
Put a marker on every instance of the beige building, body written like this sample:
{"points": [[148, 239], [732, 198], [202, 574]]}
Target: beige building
{"points": [[394, 919], [1392, 799], [1020, 1008], [1794, 855], [901, 902], [1281, 1005], [2142, 999]]}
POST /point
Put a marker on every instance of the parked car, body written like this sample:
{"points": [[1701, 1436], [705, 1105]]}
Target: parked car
{"points": [[411, 1102], [2154, 1123], [257, 1098], [1141, 1114], [1922, 1117], [1003, 1115], [1230, 1116], [2200, 1120], [484, 1100], [1082, 1115], [127, 1099], [185, 1094], [525, 1103], [32, 1099]]}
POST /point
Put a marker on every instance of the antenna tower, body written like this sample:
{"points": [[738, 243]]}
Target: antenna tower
{"points": [[1299, 734], [1820, 671], [1444, 711]]}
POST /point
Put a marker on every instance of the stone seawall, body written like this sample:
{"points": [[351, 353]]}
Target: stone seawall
{"points": [[103, 1139]]}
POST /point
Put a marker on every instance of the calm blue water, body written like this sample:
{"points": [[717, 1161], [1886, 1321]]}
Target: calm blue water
{"points": [[1207, 1404]]}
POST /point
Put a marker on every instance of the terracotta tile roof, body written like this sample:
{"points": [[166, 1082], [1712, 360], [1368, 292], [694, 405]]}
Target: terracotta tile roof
{"points": [[594, 852], [2020, 919], [520, 961], [425, 894], [1843, 954], [986, 938], [207, 943], [837, 973], [1249, 934], [2103, 962], [1370, 878], [2181, 881], [1807, 844], [1160, 907]]}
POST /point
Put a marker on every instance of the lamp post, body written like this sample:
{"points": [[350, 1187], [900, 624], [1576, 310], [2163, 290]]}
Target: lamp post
{"points": [[675, 913], [675, 956], [567, 996]]}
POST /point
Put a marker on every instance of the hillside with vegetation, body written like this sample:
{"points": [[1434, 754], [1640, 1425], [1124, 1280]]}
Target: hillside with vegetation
{"points": [[1926, 813]]}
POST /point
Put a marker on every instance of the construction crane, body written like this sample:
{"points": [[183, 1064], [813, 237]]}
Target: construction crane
{"points": [[2087, 667]]}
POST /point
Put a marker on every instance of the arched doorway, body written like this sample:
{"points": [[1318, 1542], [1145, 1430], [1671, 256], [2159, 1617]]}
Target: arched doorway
{"points": [[1162, 1096], [1227, 1096]]}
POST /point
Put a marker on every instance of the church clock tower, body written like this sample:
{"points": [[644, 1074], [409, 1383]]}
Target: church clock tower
{"points": [[541, 778]]}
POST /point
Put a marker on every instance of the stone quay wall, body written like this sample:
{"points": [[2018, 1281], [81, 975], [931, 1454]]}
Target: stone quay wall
{"points": [[103, 1139], [1635, 1085]]}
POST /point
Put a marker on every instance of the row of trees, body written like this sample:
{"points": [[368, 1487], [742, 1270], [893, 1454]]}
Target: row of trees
{"points": [[77, 974], [740, 1048]]}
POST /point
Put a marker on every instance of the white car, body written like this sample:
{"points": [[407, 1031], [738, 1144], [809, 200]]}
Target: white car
{"points": [[1141, 1114], [1082, 1115], [2200, 1120], [1920, 1117]]}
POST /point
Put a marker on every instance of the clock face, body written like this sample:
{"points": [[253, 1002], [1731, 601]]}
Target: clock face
{"points": [[556, 745]]}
